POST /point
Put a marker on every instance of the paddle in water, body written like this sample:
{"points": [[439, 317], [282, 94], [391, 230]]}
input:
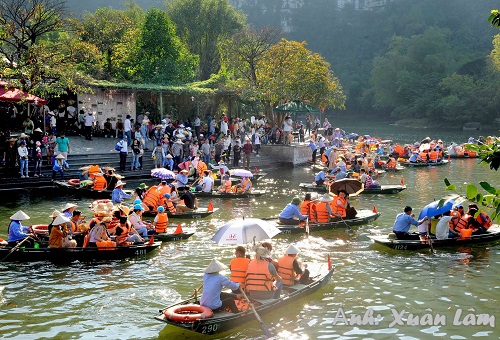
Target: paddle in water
{"points": [[263, 326]]}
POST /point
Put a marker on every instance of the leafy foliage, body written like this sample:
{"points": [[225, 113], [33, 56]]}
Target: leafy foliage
{"points": [[494, 18], [489, 153]]}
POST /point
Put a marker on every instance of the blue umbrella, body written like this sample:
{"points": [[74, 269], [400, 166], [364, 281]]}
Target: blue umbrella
{"points": [[431, 209], [352, 136]]}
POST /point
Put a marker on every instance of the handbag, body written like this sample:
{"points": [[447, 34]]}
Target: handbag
{"points": [[118, 146]]}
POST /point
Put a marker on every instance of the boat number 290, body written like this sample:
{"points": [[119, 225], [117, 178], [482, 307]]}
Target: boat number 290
{"points": [[209, 328], [400, 246]]}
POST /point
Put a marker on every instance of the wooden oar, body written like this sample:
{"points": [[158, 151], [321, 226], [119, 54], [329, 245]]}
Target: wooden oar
{"points": [[263, 326], [430, 243], [16, 247], [307, 227]]}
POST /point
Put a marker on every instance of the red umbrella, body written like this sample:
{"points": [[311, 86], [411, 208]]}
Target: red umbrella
{"points": [[16, 95]]}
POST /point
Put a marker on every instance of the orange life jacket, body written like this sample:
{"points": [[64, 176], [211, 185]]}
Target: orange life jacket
{"points": [[245, 183], [423, 155], [227, 185], [391, 164], [170, 206], [336, 208], [100, 183], [322, 214], [285, 270], [164, 189], [122, 238], [433, 155], [484, 220], [238, 268], [161, 223], [200, 167], [258, 277], [463, 223], [152, 198], [93, 170], [305, 206]]}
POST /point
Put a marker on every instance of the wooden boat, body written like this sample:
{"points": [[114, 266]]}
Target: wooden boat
{"points": [[384, 189], [493, 234], [85, 192], [215, 194], [364, 216], [68, 255], [223, 321], [166, 237], [425, 164], [198, 213]]}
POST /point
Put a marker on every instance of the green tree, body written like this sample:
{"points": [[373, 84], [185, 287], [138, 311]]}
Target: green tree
{"points": [[284, 72], [203, 24], [164, 58]]}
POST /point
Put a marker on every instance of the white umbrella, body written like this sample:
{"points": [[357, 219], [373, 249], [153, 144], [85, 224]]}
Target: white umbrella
{"points": [[241, 231], [162, 173], [241, 173]]}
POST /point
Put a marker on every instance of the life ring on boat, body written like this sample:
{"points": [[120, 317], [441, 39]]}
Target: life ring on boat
{"points": [[188, 313], [74, 182], [40, 228]]}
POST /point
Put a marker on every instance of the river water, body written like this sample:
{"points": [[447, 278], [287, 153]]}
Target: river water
{"points": [[118, 299]]}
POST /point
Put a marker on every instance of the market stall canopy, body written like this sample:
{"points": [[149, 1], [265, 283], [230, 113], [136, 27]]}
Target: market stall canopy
{"points": [[16, 95], [297, 107]]}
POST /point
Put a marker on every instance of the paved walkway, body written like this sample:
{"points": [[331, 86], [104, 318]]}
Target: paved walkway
{"points": [[98, 145]]}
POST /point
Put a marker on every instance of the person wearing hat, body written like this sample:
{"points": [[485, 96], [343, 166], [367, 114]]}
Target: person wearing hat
{"points": [[213, 283], [160, 222], [68, 209], [10, 157], [189, 199], [59, 166], [98, 232], [168, 162], [324, 209], [182, 178], [19, 233], [226, 184], [291, 211], [118, 195], [138, 224], [403, 222], [23, 153], [122, 146], [140, 191], [290, 269], [262, 280], [321, 177], [58, 237]]}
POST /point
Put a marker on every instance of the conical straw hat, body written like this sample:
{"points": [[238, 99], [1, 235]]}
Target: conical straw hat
{"points": [[215, 267], [60, 219], [20, 216], [291, 250]]}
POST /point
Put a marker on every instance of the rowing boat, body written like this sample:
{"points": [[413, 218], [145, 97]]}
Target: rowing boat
{"points": [[198, 213], [363, 216], [68, 255], [166, 237], [493, 234], [424, 164], [215, 194], [223, 321], [85, 191], [384, 189]]}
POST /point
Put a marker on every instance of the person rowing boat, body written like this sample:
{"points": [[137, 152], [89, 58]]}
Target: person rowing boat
{"points": [[403, 223], [19, 233]]}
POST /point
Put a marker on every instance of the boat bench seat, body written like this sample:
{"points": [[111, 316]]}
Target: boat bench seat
{"points": [[297, 286], [264, 301]]}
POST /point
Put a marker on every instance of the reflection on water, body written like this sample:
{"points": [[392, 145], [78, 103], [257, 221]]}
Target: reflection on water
{"points": [[105, 299]]}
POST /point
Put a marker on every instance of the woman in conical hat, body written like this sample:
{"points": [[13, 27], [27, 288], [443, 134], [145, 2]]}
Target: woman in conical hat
{"points": [[58, 231], [213, 282], [17, 232]]}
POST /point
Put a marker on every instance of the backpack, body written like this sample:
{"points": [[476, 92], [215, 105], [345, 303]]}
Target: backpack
{"points": [[118, 146]]}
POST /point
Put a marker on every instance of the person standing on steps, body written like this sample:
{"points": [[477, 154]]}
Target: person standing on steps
{"points": [[123, 152], [127, 130], [247, 151], [89, 123]]}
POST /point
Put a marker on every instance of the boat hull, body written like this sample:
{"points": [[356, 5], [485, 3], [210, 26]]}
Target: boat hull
{"points": [[68, 255], [198, 213], [254, 193], [423, 165], [492, 235], [165, 237], [384, 189]]}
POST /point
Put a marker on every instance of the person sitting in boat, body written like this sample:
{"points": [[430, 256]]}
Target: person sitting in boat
{"points": [[160, 222], [290, 269], [468, 221], [164, 188], [262, 280], [59, 235], [244, 186], [168, 162], [188, 201], [321, 177], [19, 233], [213, 283], [140, 191], [323, 209], [433, 156], [339, 204], [98, 232], [226, 184], [308, 207], [403, 223], [118, 195], [137, 223], [444, 227], [182, 178], [59, 166], [391, 163], [370, 182], [169, 203], [99, 182], [239, 265], [152, 198], [341, 164], [68, 210], [415, 157], [339, 173], [291, 210], [207, 182]]}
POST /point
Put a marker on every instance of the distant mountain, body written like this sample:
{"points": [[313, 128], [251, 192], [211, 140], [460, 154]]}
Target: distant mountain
{"points": [[78, 6]]}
